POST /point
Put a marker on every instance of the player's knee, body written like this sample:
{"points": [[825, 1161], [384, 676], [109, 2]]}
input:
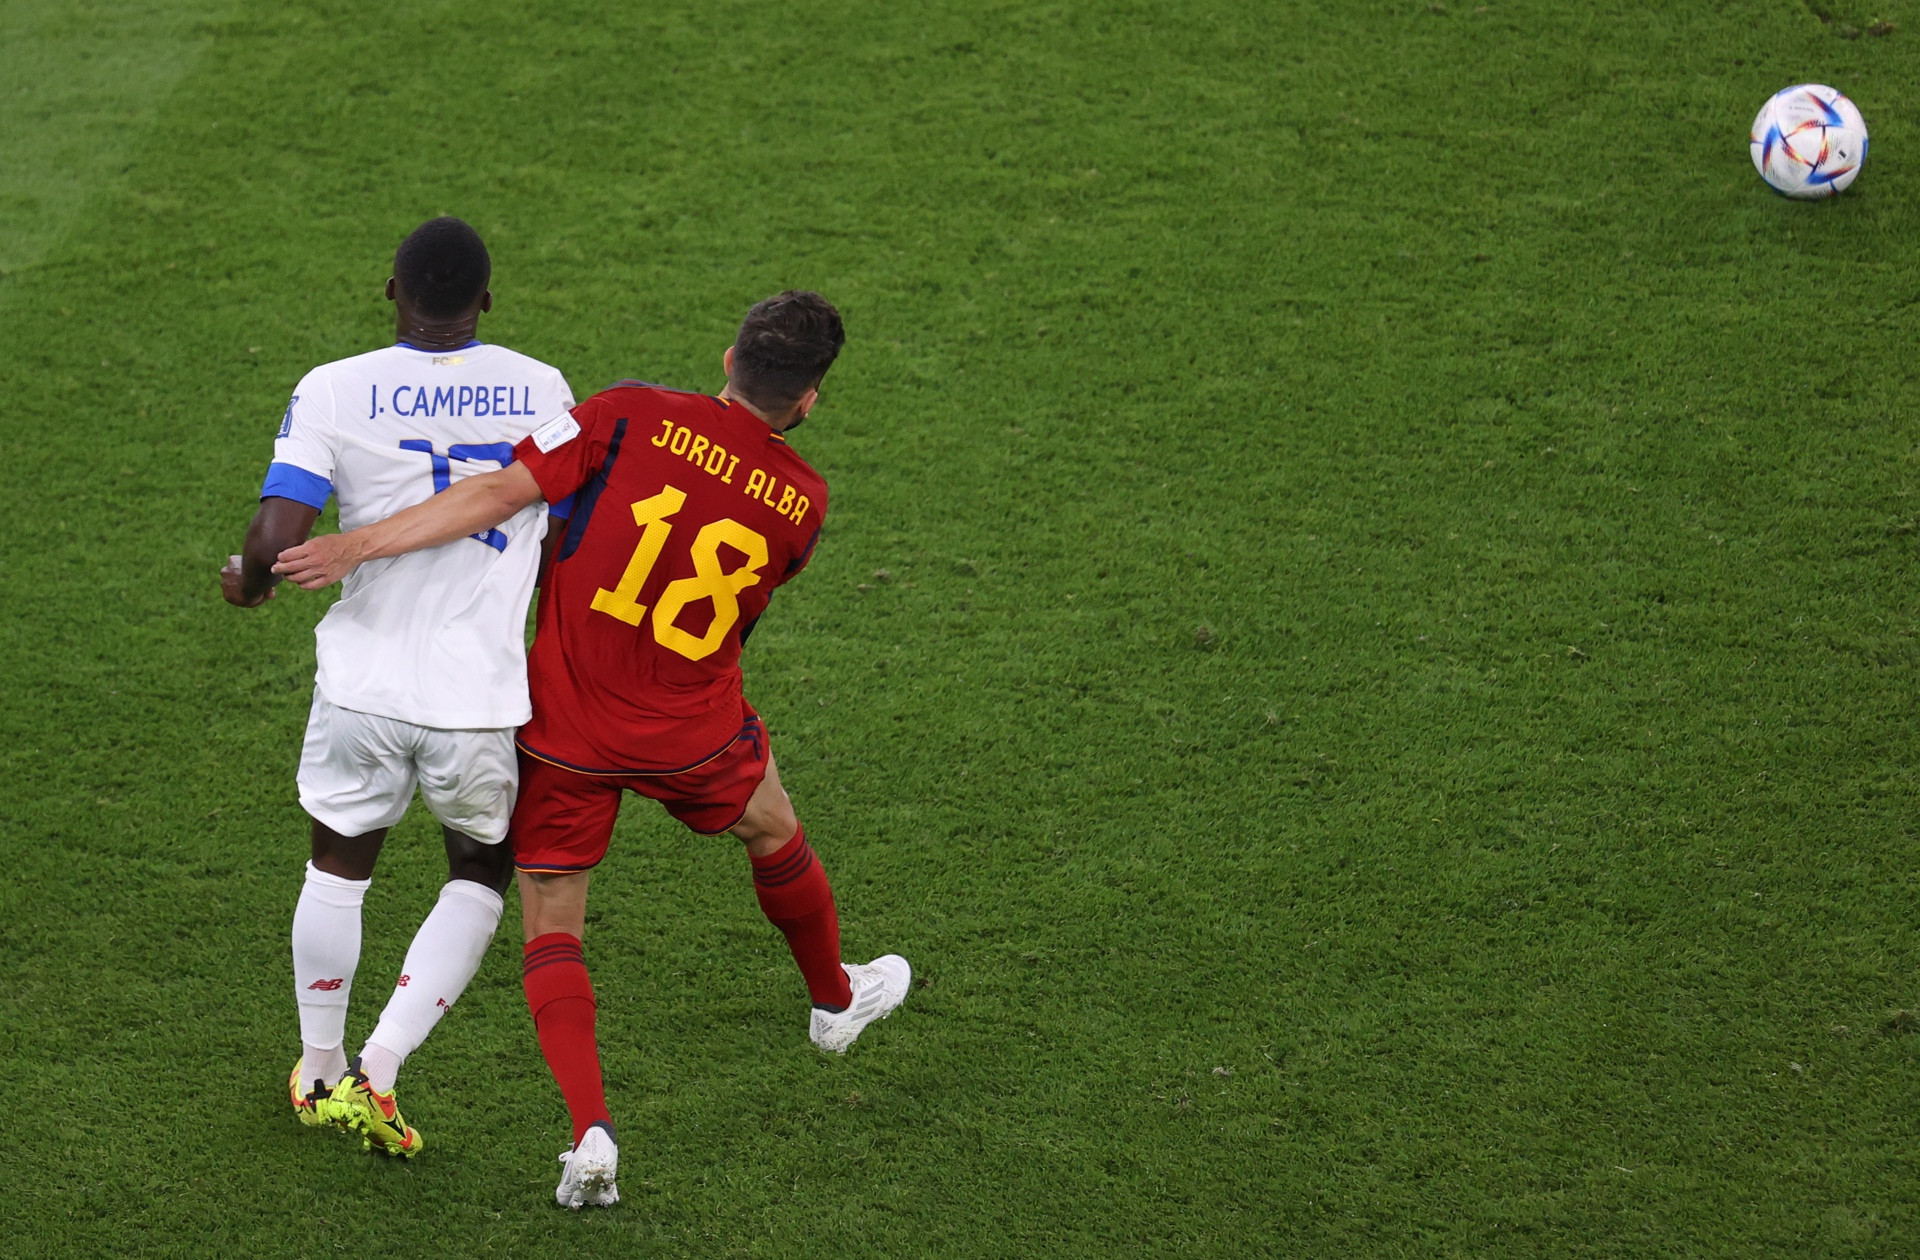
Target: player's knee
{"points": [[490, 865], [346, 857], [783, 822], [768, 823], [553, 902]]}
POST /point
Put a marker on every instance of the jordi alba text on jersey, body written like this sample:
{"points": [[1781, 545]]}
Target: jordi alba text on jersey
{"points": [[716, 461]]}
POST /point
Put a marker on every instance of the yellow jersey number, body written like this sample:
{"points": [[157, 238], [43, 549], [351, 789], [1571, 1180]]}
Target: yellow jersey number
{"points": [[710, 581]]}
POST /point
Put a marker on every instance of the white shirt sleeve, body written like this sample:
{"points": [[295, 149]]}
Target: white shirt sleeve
{"points": [[563, 390], [307, 446]]}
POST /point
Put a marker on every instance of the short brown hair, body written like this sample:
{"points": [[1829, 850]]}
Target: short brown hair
{"points": [[784, 347]]}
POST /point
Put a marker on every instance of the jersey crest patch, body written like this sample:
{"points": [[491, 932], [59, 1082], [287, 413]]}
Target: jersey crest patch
{"points": [[555, 433], [286, 421]]}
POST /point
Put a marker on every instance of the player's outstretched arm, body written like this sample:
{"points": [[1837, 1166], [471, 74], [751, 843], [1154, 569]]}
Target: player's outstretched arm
{"points": [[466, 507], [248, 580]]}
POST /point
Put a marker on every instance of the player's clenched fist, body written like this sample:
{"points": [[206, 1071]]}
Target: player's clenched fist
{"points": [[233, 587], [318, 562]]}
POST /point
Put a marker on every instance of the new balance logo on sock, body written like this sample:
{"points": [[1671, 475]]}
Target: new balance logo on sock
{"points": [[328, 986]]}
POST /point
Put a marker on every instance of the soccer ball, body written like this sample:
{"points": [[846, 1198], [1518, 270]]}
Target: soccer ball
{"points": [[1809, 141]]}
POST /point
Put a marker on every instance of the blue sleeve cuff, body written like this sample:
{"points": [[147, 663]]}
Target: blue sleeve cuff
{"points": [[285, 481], [562, 510]]}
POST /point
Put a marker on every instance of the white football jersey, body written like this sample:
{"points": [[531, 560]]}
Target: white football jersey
{"points": [[435, 637]]}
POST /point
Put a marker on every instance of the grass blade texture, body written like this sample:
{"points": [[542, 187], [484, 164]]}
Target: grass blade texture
{"points": [[1365, 644]]}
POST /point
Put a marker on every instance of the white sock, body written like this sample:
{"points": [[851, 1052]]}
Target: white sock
{"points": [[326, 950], [445, 953]]}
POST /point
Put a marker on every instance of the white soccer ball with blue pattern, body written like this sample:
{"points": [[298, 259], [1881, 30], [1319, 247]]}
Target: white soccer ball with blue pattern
{"points": [[1809, 141]]}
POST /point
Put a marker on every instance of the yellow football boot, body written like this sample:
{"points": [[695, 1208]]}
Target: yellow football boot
{"points": [[374, 1116], [308, 1107]]}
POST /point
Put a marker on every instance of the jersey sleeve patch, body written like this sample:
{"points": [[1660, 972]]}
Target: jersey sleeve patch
{"points": [[289, 481], [554, 433]]}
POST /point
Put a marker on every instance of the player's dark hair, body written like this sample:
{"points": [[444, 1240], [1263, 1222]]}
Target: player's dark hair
{"points": [[784, 347], [444, 267]]}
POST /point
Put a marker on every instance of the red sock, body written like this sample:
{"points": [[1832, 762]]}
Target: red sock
{"points": [[560, 996], [796, 898]]}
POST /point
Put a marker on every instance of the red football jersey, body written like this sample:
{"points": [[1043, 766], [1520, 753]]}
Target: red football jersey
{"points": [[688, 511]]}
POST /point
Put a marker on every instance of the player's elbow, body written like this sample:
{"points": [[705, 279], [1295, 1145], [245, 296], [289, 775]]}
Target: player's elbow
{"points": [[509, 498], [513, 488]]}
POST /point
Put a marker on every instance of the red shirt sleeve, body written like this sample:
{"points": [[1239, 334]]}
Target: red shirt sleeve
{"points": [[568, 461]]}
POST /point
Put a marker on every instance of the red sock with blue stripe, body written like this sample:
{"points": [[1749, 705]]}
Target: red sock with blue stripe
{"points": [[796, 898], [560, 995]]}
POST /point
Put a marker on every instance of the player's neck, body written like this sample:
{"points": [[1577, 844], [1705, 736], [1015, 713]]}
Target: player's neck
{"points": [[726, 392], [424, 334]]}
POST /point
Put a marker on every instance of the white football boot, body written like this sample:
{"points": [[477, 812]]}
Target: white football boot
{"points": [[588, 1180], [878, 989]]}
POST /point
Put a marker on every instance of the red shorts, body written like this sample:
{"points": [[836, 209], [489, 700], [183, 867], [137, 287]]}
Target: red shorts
{"points": [[564, 818]]}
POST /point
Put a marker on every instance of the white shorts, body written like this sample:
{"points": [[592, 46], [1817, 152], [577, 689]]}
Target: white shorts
{"points": [[358, 771]]}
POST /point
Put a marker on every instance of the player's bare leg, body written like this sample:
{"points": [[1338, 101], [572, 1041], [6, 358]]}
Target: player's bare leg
{"points": [[553, 915], [326, 950], [553, 903], [796, 898], [346, 857], [769, 821]]}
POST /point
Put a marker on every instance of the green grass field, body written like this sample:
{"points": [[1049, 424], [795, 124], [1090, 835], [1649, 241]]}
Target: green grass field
{"points": [[1365, 648]]}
